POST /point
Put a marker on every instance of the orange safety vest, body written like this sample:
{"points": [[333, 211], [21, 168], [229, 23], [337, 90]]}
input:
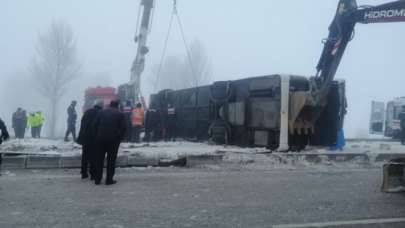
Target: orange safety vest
{"points": [[138, 115]]}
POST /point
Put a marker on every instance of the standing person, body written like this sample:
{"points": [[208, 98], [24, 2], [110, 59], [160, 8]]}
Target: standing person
{"points": [[401, 117], [4, 134], [71, 121], [170, 123], [138, 116], [40, 121], [150, 123], [14, 123], [110, 128], [19, 123], [32, 123], [24, 123], [86, 139], [127, 110]]}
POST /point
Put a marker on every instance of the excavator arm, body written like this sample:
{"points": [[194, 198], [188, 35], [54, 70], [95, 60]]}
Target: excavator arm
{"points": [[341, 31]]}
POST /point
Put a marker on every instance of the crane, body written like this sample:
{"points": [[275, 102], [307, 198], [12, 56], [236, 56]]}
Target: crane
{"points": [[132, 91]]}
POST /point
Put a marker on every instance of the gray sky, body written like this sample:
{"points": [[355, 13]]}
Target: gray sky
{"points": [[242, 38]]}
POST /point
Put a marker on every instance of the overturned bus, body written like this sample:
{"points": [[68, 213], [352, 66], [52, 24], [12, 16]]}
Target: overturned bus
{"points": [[256, 111]]}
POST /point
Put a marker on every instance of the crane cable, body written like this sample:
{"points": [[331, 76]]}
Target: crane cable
{"points": [[165, 46], [187, 48], [175, 13]]}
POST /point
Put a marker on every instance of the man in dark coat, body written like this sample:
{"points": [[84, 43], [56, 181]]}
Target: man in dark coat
{"points": [[110, 126], [19, 123], [87, 140], [4, 134], [71, 121], [127, 110], [24, 123], [401, 117], [152, 122]]}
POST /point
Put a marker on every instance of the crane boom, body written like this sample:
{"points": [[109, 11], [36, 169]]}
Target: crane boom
{"points": [[132, 90]]}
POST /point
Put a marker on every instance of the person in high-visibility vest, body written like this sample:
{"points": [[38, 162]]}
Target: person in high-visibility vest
{"points": [[40, 119], [138, 116], [33, 123]]}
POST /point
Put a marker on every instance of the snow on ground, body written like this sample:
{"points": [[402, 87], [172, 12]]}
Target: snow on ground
{"points": [[174, 150], [155, 149], [180, 148], [40, 146]]}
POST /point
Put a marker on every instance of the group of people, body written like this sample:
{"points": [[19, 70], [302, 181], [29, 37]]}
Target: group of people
{"points": [[101, 132], [134, 117], [21, 122], [161, 124], [156, 124]]}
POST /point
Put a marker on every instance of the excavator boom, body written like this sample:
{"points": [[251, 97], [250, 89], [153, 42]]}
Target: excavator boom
{"points": [[341, 31]]}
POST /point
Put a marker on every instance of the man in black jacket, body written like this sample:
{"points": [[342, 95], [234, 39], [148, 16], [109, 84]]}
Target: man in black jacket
{"points": [[86, 139], [4, 134], [19, 123], [110, 126], [71, 121]]}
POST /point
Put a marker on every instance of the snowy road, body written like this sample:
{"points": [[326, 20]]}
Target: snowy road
{"points": [[171, 197]]}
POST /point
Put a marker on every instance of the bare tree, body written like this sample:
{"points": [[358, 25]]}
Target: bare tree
{"points": [[55, 65], [194, 69]]}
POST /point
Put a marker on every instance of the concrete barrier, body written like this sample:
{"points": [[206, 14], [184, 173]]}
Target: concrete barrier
{"points": [[384, 157], [122, 161], [142, 161], [76, 161], [180, 162], [13, 162], [39, 162], [317, 157], [208, 159], [70, 162]]}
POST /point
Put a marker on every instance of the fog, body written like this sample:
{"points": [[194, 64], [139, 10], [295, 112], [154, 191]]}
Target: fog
{"points": [[242, 39]]}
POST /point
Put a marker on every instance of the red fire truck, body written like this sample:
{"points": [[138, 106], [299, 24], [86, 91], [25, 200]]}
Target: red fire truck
{"points": [[106, 94]]}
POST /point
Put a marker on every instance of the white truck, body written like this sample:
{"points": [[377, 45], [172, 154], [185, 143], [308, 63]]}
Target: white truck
{"points": [[384, 118]]}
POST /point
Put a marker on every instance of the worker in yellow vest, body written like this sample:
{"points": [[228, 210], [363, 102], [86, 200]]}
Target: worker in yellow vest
{"points": [[138, 116], [33, 123], [40, 119]]}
